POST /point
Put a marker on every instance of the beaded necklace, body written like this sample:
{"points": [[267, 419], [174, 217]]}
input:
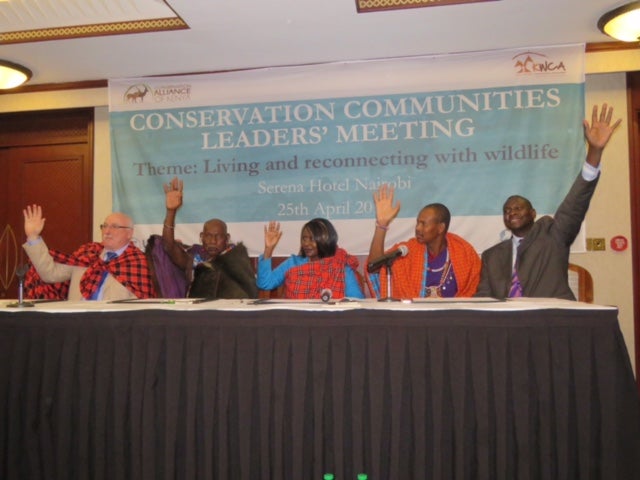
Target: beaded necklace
{"points": [[435, 291]]}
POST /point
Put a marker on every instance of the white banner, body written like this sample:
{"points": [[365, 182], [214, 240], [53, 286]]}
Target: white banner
{"points": [[291, 144]]}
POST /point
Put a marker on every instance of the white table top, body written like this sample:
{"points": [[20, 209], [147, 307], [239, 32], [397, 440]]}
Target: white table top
{"points": [[183, 304]]}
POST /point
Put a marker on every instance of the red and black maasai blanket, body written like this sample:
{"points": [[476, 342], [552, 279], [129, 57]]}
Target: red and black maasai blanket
{"points": [[130, 269], [308, 280]]}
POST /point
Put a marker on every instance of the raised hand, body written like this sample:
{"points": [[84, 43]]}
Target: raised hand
{"points": [[598, 133], [33, 221], [173, 193], [272, 234], [386, 210], [600, 130]]}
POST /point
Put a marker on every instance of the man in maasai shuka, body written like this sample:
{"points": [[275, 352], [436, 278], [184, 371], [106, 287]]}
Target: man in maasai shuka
{"points": [[114, 269], [214, 268], [438, 263]]}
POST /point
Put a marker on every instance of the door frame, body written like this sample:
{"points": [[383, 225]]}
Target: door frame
{"points": [[633, 102]]}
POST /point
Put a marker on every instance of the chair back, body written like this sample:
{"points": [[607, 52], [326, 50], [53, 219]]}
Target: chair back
{"points": [[277, 292], [581, 283]]}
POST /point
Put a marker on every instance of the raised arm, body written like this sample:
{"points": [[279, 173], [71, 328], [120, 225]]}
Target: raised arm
{"points": [[386, 211], [173, 201], [573, 209], [38, 253]]}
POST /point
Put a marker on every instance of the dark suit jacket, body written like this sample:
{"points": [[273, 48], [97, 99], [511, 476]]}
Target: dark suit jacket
{"points": [[543, 255]]}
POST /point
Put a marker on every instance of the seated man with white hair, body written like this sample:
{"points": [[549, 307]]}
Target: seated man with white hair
{"points": [[114, 269]]}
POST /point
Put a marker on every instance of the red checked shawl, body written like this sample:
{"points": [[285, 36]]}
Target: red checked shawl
{"points": [[130, 269], [308, 280], [408, 271]]}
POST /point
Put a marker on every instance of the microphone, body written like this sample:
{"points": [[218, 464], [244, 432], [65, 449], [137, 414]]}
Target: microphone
{"points": [[21, 271], [388, 258], [325, 295]]}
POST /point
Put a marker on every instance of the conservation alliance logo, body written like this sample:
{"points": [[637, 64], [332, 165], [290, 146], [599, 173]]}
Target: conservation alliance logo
{"points": [[141, 93], [533, 63]]}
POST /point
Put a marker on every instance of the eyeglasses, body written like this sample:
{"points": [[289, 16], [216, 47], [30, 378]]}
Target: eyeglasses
{"points": [[105, 226]]}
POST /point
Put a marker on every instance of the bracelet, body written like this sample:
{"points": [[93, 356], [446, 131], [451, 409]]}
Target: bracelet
{"points": [[169, 226], [382, 227]]}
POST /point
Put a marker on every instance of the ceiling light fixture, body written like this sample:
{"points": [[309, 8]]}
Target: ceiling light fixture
{"points": [[13, 75], [622, 23]]}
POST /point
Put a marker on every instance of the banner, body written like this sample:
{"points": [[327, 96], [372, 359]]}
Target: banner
{"points": [[290, 144]]}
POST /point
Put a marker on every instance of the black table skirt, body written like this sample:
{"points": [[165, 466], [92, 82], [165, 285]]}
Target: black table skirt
{"points": [[281, 394]]}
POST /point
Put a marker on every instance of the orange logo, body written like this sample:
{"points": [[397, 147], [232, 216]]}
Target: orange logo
{"points": [[529, 63]]}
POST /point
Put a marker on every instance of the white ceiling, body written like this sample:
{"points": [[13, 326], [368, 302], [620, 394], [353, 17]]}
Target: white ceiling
{"points": [[241, 34]]}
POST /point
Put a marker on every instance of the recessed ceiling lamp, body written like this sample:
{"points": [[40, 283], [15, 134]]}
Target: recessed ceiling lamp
{"points": [[622, 23], [13, 75]]}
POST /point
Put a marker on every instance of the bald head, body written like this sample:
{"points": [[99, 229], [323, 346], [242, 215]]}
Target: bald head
{"points": [[215, 222]]}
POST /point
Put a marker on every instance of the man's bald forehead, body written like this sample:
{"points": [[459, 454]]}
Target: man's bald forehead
{"points": [[215, 222], [120, 218]]}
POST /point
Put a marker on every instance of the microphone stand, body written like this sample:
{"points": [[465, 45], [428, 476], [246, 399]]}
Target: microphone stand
{"points": [[20, 273], [389, 298]]}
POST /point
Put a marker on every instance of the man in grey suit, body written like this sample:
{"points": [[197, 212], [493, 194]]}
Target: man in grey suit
{"points": [[535, 260]]}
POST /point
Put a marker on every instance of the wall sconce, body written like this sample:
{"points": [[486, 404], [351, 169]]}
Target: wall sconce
{"points": [[622, 23], [12, 74]]}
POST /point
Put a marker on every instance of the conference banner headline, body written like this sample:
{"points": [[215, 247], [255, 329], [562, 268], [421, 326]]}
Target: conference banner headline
{"points": [[290, 144]]}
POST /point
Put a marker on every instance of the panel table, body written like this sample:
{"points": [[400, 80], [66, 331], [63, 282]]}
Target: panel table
{"points": [[233, 390]]}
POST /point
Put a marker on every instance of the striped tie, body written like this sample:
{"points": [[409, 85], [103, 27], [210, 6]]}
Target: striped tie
{"points": [[516, 287]]}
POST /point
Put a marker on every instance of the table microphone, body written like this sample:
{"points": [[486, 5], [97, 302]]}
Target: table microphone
{"points": [[21, 271], [326, 294], [387, 258]]}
